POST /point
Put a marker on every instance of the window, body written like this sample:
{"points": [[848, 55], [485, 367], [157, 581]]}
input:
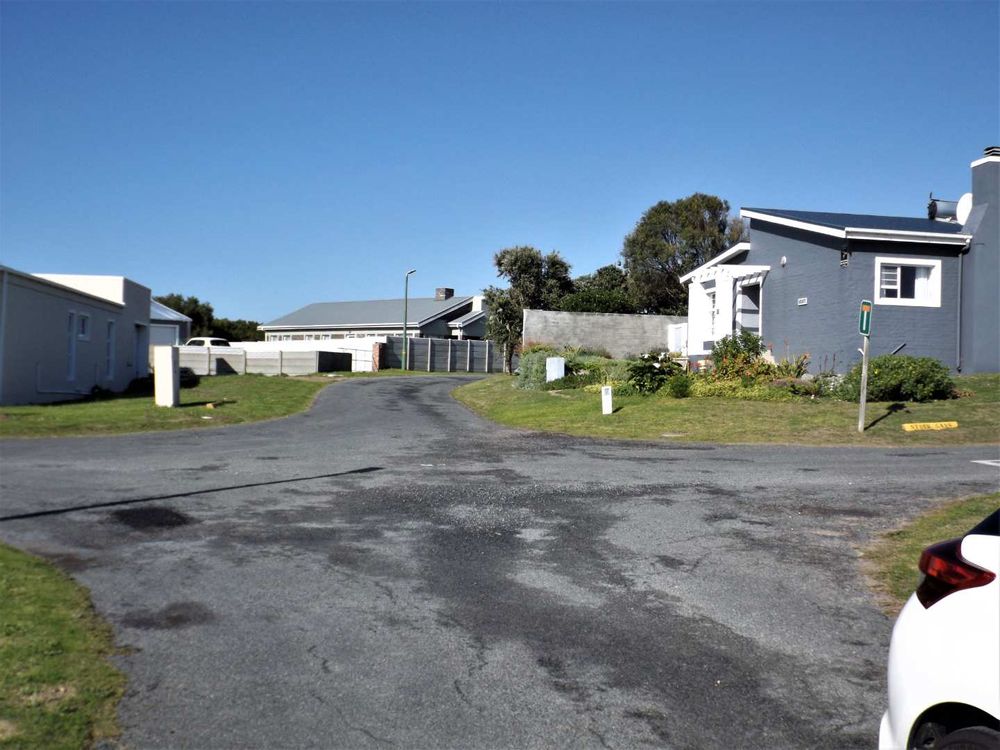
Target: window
{"points": [[83, 327], [913, 282], [713, 311], [109, 351], [71, 346]]}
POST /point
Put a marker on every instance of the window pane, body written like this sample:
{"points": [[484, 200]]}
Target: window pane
{"points": [[908, 276], [922, 283], [889, 282]]}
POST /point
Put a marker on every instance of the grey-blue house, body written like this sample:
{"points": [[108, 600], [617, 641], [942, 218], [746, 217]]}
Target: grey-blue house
{"points": [[802, 275]]}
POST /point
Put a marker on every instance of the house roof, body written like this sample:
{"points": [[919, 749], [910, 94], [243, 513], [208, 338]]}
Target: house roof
{"points": [[159, 311], [368, 313], [864, 226], [736, 249], [467, 319]]}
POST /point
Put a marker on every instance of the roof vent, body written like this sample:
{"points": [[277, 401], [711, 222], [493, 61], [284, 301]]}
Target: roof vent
{"points": [[442, 293], [942, 210], [991, 151]]}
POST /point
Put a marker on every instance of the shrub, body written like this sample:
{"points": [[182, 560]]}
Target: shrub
{"points": [[532, 347], [795, 368], [623, 389], [740, 356], [828, 384], [651, 371], [577, 379], [531, 370], [679, 385], [735, 388], [582, 368], [797, 386], [896, 377]]}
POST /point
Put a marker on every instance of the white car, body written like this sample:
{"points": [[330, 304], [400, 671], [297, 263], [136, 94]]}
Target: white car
{"points": [[944, 659], [206, 341]]}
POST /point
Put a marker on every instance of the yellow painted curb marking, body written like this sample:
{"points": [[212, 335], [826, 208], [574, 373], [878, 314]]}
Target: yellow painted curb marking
{"points": [[917, 426]]}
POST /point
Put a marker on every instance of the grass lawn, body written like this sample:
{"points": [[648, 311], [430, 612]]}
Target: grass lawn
{"points": [[233, 399], [720, 420], [57, 687], [891, 562]]}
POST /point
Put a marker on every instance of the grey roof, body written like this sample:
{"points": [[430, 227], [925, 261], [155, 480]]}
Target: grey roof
{"points": [[470, 317], [159, 311], [378, 312], [864, 221]]}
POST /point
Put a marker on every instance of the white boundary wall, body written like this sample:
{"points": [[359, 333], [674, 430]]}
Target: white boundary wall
{"points": [[359, 349]]}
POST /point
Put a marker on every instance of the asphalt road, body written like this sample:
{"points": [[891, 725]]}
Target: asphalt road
{"points": [[388, 570]]}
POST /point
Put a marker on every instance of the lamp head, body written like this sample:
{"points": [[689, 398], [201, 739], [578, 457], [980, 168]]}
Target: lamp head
{"points": [[412, 270]]}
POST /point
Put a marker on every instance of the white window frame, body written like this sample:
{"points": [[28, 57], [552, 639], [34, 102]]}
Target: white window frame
{"points": [[933, 297], [713, 310]]}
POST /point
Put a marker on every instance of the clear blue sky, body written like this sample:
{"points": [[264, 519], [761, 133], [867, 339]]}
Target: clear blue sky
{"points": [[263, 156]]}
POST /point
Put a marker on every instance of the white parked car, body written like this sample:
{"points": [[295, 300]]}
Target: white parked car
{"points": [[206, 341], [944, 659]]}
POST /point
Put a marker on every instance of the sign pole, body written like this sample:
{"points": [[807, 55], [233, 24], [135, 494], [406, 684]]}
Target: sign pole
{"points": [[864, 385], [865, 329]]}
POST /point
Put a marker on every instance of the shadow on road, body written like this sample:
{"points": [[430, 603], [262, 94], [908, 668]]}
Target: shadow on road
{"points": [[193, 493]]}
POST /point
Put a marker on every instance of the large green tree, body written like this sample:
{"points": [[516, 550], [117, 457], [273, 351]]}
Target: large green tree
{"points": [[201, 313], [671, 239], [204, 322], [537, 282], [603, 291]]}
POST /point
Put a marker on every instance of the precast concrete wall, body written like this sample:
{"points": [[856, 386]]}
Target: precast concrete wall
{"points": [[444, 355], [620, 335], [224, 360]]}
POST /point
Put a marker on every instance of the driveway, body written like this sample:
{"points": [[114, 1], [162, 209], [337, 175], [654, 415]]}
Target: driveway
{"points": [[388, 570]]}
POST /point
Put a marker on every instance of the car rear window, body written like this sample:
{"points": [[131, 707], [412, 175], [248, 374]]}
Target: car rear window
{"points": [[989, 526]]}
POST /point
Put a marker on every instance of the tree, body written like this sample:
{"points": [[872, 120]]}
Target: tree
{"points": [[204, 322], [670, 240], [597, 301], [537, 282], [604, 291], [201, 313], [237, 330], [504, 322]]}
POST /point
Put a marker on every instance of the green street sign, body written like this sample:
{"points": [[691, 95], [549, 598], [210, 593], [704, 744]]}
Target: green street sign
{"points": [[865, 319]]}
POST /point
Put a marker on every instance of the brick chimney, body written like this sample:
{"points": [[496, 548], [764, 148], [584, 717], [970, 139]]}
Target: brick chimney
{"points": [[442, 293]]}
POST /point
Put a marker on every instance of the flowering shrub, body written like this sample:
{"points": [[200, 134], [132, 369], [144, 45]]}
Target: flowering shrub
{"points": [[741, 357], [649, 373]]}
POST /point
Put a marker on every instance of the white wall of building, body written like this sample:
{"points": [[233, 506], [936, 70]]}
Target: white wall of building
{"points": [[58, 343]]}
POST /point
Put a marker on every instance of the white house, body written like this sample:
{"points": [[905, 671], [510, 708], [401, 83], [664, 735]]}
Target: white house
{"points": [[61, 335]]}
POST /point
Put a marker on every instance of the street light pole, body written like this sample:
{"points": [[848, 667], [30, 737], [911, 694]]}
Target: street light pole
{"points": [[406, 299]]}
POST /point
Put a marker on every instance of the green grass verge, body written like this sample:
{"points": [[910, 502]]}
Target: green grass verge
{"points": [[891, 561], [234, 399], [57, 687], [721, 420]]}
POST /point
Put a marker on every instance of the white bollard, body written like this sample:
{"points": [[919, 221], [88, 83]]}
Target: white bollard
{"points": [[166, 376], [555, 368], [606, 406]]}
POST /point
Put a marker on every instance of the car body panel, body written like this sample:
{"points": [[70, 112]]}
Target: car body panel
{"points": [[946, 653]]}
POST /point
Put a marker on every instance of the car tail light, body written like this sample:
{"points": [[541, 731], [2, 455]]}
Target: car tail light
{"points": [[946, 571]]}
